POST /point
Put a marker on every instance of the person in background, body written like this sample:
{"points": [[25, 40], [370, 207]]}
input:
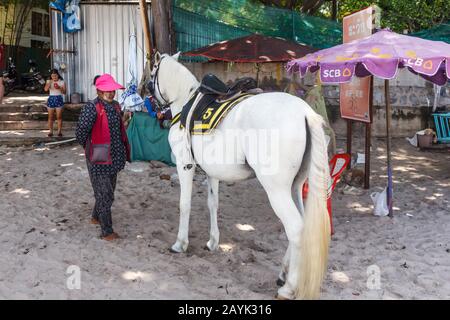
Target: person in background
{"points": [[101, 132], [164, 116], [57, 88]]}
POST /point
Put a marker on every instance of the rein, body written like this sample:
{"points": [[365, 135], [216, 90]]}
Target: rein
{"points": [[166, 104]]}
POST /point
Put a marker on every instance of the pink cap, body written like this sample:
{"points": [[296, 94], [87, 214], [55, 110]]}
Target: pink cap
{"points": [[107, 83]]}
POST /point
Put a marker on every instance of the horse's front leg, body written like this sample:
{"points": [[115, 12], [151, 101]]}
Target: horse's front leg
{"points": [[213, 205], [186, 177]]}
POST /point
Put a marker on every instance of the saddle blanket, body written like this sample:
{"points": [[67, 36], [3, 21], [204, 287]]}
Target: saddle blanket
{"points": [[208, 113]]}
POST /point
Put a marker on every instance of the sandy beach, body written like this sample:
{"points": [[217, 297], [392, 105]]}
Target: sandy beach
{"points": [[46, 201]]}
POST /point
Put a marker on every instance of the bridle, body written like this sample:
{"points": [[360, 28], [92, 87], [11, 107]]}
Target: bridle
{"points": [[159, 105]]}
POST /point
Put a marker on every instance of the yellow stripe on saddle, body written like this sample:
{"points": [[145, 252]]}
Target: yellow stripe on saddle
{"points": [[176, 118]]}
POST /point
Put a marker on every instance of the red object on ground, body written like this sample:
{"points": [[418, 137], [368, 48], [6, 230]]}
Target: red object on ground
{"points": [[337, 165], [253, 48]]}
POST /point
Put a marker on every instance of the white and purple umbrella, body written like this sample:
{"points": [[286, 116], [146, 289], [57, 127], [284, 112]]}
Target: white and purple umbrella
{"points": [[380, 55]]}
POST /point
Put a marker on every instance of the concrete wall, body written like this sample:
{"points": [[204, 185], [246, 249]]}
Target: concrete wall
{"points": [[411, 96]]}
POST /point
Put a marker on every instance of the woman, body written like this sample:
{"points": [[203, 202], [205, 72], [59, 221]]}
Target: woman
{"points": [[101, 132], [57, 88]]}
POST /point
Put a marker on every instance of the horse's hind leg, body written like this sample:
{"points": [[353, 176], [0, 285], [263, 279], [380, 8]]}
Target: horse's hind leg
{"points": [[186, 177], [284, 268], [297, 195], [213, 205], [285, 208]]}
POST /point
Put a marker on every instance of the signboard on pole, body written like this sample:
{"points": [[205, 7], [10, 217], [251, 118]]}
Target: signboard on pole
{"points": [[355, 95]]}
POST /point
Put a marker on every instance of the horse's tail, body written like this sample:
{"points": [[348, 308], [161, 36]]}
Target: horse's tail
{"points": [[315, 237]]}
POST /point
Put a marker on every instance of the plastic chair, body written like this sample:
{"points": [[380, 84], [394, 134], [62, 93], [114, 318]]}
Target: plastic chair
{"points": [[337, 165], [442, 122]]}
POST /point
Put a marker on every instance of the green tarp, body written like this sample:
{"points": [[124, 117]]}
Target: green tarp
{"points": [[202, 22], [148, 141], [438, 33]]}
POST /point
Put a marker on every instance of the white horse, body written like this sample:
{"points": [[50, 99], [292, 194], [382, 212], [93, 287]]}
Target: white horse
{"points": [[279, 139]]}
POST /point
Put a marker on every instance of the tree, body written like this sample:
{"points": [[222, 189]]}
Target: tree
{"points": [[16, 15], [162, 26]]}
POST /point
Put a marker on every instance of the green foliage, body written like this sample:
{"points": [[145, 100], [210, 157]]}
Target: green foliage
{"points": [[399, 15], [414, 15]]}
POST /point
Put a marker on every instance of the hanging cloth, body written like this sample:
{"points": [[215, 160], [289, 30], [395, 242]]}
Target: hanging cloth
{"points": [[130, 100]]}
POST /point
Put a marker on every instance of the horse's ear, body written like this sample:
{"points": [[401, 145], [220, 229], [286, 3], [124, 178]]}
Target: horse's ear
{"points": [[157, 57], [176, 56]]}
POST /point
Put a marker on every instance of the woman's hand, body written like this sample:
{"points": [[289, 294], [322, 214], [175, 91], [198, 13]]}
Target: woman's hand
{"points": [[47, 85]]}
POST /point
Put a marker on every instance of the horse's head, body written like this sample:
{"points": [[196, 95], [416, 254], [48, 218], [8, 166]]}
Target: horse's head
{"points": [[170, 81]]}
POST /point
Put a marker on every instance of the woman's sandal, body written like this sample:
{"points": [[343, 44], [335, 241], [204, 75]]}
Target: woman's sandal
{"points": [[60, 134], [111, 237], [50, 134]]}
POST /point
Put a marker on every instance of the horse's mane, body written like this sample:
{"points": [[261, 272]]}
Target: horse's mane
{"points": [[179, 69]]}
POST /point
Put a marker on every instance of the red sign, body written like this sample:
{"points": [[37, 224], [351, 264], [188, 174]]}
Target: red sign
{"points": [[355, 95]]}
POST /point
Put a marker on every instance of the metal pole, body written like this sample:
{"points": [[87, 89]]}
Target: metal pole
{"points": [[388, 145], [368, 138], [349, 140], [367, 157]]}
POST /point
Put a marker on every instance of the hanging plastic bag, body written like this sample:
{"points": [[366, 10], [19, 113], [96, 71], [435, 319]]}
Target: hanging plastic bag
{"points": [[59, 5], [380, 207], [130, 100], [71, 22]]}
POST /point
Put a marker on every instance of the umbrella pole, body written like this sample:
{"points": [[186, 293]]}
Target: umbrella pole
{"points": [[257, 75], [388, 145]]}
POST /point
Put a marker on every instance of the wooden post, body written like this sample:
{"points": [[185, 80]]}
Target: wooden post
{"points": [[388, 145], [257, 74], [146, 27], [161, 23]]}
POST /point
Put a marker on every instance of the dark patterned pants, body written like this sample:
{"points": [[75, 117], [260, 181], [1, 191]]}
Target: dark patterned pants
{"points": [[104, 186]]}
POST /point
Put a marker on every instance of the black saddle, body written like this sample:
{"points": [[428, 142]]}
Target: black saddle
{"points": [[212, 85]]}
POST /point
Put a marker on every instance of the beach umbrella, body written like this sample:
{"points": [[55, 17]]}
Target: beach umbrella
{"points": [[130, 100], [380, 55], [254, 48]]}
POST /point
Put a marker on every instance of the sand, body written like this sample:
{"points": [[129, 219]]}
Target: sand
{"points": [[45, 207]]}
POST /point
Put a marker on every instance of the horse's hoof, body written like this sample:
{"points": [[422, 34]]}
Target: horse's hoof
{"points": [[279, 297], [212, 246], [280, 282], [178, 247]]}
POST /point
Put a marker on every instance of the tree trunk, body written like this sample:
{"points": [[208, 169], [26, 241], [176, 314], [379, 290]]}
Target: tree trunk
{"points": [[334, 10], [161, 25], [20, 23]]}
